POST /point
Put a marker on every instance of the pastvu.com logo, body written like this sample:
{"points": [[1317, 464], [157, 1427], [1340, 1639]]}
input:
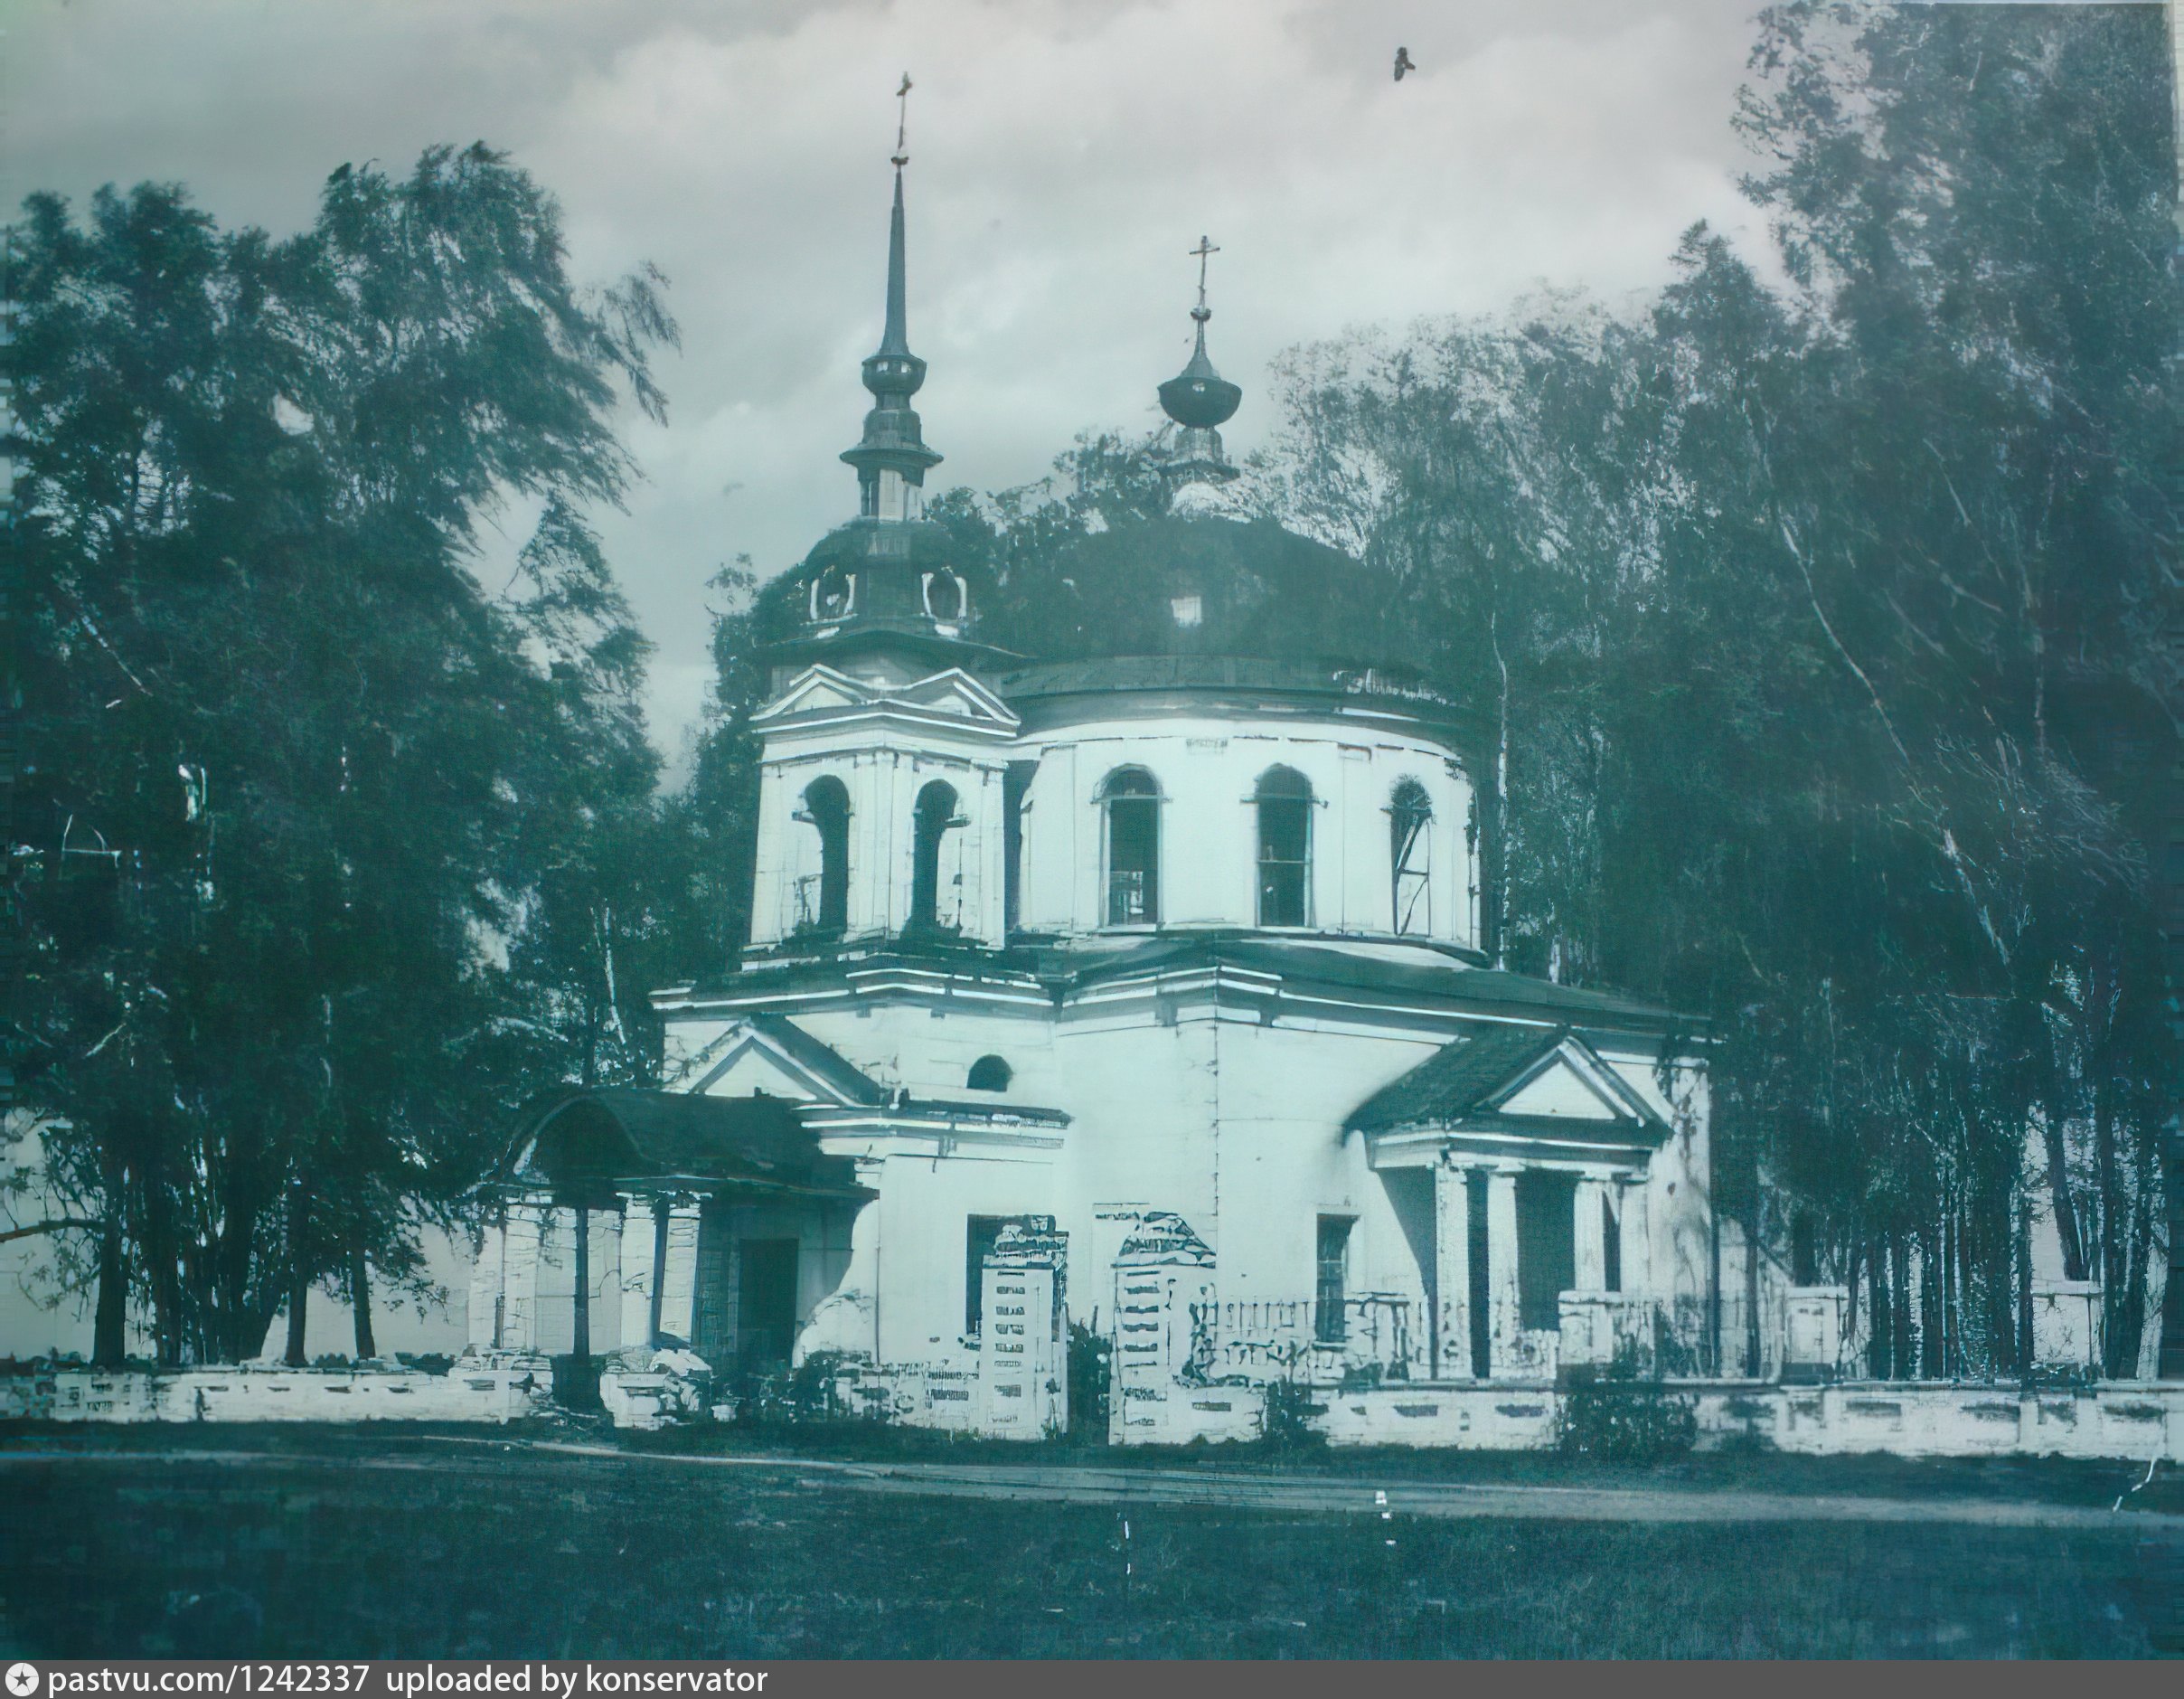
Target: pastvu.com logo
{"points": [[21, 1680]]}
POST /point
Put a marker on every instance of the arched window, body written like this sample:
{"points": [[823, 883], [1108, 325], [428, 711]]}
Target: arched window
{"points": [[1411, 857], [1132, 802], [1284, 800], [934, 814], [990, 1073], [823, 899]]}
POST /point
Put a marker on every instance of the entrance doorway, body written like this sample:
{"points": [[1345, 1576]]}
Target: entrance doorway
{"points": [[765, 1301]]}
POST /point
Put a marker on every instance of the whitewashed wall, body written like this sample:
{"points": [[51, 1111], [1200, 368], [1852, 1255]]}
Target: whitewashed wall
{"points": [[1208, 768]]}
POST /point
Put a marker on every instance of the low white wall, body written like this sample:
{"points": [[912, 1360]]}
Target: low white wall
{"points": [[500, 1391], [2132, 1421]]}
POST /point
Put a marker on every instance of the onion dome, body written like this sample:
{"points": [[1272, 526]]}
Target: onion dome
{"points": [[1198, 397], [1198, 400]]}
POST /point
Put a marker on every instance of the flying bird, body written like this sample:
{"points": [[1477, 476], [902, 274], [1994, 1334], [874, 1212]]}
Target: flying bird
{"points": [[1403, 62]]}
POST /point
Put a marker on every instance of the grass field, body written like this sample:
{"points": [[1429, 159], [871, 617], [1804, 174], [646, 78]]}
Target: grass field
{"points": [[376, 1546]]}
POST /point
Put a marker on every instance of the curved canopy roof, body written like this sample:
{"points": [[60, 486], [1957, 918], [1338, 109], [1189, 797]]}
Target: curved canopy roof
{"points": [[586, 1144]]}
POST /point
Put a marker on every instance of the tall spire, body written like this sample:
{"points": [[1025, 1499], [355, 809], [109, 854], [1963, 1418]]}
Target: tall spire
{"points": [[891, 459], [883, 596], [1199, 401], [895, 340]]}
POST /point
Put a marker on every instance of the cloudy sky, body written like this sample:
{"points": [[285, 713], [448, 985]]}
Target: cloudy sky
{"points": [[1065, 156]]}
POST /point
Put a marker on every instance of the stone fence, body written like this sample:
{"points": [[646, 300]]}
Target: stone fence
{"points": [[487, 1390]]}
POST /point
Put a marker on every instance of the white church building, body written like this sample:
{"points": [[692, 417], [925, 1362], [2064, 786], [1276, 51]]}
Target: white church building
{"points": [[1150, 996]]}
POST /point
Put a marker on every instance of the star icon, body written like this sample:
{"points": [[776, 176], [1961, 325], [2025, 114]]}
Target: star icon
{"points": [[21, 1680]]}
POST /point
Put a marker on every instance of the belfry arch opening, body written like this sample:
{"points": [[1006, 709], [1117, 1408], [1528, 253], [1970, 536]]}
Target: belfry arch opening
{"points": [[933, 816], [1283, 802], [1131, 802], [824, 897]]}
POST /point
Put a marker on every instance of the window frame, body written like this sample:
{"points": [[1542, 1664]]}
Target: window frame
{"points": [[1130, 787], [1411, 857], [1330, 1279], [1282, 786]]}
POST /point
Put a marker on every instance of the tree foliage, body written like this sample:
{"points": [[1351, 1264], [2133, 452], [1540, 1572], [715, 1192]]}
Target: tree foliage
{"points": [[1822, 616], [327, 838]]}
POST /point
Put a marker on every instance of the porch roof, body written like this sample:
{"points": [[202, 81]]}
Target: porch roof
{"points": [[1477, 1084], [1456, 1080], [604, 1138]]}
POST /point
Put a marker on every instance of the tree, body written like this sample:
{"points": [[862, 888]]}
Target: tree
{"points": [[332, 783]]}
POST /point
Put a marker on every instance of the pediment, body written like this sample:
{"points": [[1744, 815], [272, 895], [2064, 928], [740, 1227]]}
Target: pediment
{"points": [[821, 690], [1512, 1074], [770, 1056], [1561, 1089]]}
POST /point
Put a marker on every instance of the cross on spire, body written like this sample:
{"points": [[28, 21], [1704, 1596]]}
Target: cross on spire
{"points": [[902, 123], [1204, 250]]}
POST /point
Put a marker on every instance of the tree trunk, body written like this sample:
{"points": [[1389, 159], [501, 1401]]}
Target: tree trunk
{"points": [[360, 1302], [110, 1324], [1881, 1329], [109, 1329], [1753, 1366], [299, 1277]]}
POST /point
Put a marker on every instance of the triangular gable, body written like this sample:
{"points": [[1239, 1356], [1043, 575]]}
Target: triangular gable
{"points": [[1518, 1072], [817, 687], [820, 689], [767, 1055], [1559, 1086], [957, 692]]}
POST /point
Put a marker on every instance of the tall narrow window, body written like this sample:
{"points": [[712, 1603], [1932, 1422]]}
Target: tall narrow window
{"points": [[1611, 1247], [936, 813], [1285, 809], [1410, 858], [1132, 802], [1329, 1312], [823, 899]]}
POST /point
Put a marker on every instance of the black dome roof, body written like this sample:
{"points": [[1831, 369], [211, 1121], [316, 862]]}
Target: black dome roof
{"points": [[1191, 585]]}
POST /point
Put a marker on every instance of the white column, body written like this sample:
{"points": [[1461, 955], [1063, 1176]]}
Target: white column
{"points": [[679, 1288], [990, 916], [638, 1236], [1501, 1267], [1452, 1272], [1591, 1241], [770, 894]]}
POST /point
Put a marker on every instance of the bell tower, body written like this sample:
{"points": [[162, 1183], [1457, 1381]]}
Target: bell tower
{"points": [[881, 789]]}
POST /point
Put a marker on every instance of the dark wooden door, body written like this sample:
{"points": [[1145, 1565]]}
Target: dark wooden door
{"points": [[765, 1301]]}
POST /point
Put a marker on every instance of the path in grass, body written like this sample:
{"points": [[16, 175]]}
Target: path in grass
{"points": [[1230, 1489], [394, 1547]]}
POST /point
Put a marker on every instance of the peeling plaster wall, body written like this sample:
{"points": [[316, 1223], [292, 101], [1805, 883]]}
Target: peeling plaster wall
{"points": [[497, 1390]]}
